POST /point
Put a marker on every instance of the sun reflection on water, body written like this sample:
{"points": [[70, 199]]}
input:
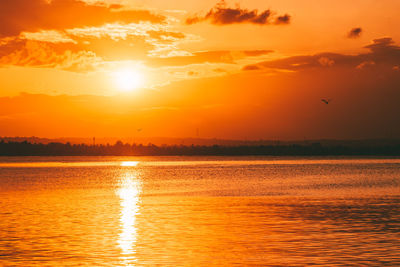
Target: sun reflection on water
{"points": [[129, 194], [129, 163]]}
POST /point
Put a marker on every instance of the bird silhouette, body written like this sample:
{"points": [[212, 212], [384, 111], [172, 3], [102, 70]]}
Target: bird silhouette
{"points": [[326, 101]]}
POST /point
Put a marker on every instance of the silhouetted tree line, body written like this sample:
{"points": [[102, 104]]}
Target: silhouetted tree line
{"points": [[120, 149]]}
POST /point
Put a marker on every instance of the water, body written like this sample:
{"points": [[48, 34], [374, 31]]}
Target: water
{"points": [[189, 211]]}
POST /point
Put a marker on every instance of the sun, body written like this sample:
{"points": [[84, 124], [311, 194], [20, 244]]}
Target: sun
{"points": [[128, 80]]}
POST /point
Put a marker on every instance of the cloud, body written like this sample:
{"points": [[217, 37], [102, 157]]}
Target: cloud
{"points": [[257, 53], [110, 42], [220, 70], [19, 16], [227, 57], [251, 67], [194, 58], [50, 36], [355, 33], [223, 15], [383, 52], [20, 52], [285, 19], [156, 40], [382, 45], [192, 73], [326, 62], [365, 64], [55, 34]]}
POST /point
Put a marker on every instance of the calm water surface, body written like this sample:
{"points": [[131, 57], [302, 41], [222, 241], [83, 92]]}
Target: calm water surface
{"points": [[120, 211]]}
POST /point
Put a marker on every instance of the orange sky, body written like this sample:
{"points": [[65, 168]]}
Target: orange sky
{"points": [[251, 69]]}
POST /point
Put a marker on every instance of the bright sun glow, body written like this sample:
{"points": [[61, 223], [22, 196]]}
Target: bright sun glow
{"points": [[128, 79], [129, 163]]}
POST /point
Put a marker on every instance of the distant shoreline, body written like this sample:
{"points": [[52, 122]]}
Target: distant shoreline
{"points": [[123, 149]]}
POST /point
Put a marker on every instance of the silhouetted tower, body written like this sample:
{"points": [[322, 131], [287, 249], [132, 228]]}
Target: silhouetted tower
{"points": [[94, 141]]}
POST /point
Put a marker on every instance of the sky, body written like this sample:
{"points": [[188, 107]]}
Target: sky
{"points": [[251, 70]]}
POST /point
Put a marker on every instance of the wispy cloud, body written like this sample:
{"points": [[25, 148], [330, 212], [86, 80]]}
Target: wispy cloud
{"points": [[221, 14], [383, 52], [227, 57]]}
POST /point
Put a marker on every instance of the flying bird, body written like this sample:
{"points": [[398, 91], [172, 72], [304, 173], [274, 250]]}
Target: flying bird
{"points": [[326, 101]]}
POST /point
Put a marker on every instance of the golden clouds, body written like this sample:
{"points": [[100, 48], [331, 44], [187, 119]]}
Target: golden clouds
{"points": [[50, 36], [111, 42], [84, 36], [61, 33], [22, 52], [36, 15]]}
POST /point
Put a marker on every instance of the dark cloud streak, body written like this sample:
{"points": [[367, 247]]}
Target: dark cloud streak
{"points": [[355, 33], [223, 15], [285, 19]]}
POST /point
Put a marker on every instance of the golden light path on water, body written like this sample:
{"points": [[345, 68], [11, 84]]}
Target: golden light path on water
{"points": [[129, 193], [129, 163]]}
